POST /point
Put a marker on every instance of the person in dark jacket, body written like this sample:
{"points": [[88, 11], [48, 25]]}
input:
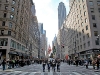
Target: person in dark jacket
{"points": [[3, 64], [48, 65], [97, 62], [58, 65], [44, 65], [53, 65]]}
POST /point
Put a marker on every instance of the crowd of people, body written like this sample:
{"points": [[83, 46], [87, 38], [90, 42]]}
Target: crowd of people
{"points": [[51, 64], [54, 64], [9, 64], [85, 62]]}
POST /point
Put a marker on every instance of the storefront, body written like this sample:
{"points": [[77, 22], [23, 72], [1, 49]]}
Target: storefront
{"points": [[2, 54], [93, 53], [12, 55]]}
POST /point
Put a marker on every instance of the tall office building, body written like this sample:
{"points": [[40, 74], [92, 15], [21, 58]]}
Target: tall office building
{"points": [[83, 24], [14, 28], [61, 14], [40, 27]]}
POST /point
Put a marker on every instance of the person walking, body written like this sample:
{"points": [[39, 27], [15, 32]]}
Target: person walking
{"points": [[97, 62], [44, 65], [58, 65], [48, 66], [86, 63], [53, 65], [93, 63], [4, 64]]}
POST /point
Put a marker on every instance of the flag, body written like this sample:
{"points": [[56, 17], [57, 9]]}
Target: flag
{"points": [[49, 49]]}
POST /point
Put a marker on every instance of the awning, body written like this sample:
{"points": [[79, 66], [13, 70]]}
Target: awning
{"points": [[12, 53], [19, 54]]}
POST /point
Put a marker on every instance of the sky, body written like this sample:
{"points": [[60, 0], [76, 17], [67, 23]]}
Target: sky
{"points": [[47, 13]]}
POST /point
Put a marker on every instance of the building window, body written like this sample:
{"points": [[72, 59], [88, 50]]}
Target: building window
{"points": [[83, 38], [10, 25], [95, 33], [82, 24], [18, 46], [95, 25], [93, 17], [6, 7], [98, 3], [9, 32], [2, 32], [92, 10], [3, 23], [80, 40], [13, 2], [80, 12], [78, 47], [77, 16], [12, 43], [91, 3], [11, 16], [83, 30], [12, 9], [99, 10], [87, 27], [3, 41], [86, 20], [80, 33], [77, 35], [81, 46], [84, 45], [85, 13], [81, 17], [87, 35], [83, 6], [5, 15], [97, 42], [88, 43], [7, 1]]}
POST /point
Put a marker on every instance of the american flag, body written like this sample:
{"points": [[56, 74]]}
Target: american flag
{"points": [[49, 49]]}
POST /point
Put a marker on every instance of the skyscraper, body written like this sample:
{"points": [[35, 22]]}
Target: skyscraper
{"points": [[61, 14], [40, 28]]}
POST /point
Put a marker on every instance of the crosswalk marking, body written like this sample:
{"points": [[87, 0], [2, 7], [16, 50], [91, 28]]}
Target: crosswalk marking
{"points": [[46, 73], [76, 73]]}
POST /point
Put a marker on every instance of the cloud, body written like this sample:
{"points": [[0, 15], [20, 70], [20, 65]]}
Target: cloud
{"points": [[46, 11]]}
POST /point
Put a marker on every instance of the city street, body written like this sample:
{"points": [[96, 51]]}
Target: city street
{"points": [[36, 69]]}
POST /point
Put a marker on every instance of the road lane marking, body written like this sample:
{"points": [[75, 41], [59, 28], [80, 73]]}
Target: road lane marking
{"points": [[76, 73]]}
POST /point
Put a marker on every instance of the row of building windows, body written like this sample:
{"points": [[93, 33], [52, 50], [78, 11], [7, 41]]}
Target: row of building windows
{"points": [[84, 45], [91, 3], [11, 15], [16, 45], [13, 1], [3, 41], [95, 34], [2, 32], [88, 44], [4, 23]]}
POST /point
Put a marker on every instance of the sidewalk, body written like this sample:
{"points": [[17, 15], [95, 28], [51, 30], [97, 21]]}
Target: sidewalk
{"points": [[7, 70]]}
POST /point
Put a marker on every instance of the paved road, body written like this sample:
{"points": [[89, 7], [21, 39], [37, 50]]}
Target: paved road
{"points": [[37, 70]]}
